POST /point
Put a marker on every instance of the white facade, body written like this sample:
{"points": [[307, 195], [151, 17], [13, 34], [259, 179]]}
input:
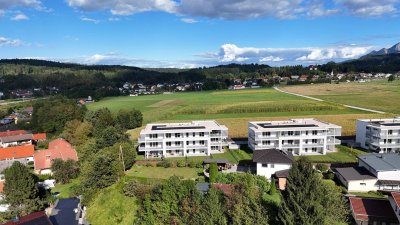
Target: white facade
{"points": [[197, 138], [379, 135], [299, 136], [269, 169]]}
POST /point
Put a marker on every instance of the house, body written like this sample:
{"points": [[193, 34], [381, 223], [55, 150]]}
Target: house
{"points": [[58, 149], [196, 138], [36, 218], [271, 161], [12, 133], [294, 77], [379, 135], [394, 199], [21, 139], [374, 172], [303, 78], [372, 211], [237, 87], [39, 137], [9, 155], [299, 136]]}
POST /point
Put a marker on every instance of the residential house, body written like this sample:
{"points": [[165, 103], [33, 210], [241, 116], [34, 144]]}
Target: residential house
{"points": [[197, 138], [394, 199], [9, 155], [367, 211], [39, 137], [272, 161], [303, 78], [21, 139], [299, 136], [12, 133], [58, 149], [36, 218], [379, 135], [374, 172]]}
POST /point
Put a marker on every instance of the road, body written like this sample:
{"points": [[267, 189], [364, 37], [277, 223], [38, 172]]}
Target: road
{"points": [[321, 100]]}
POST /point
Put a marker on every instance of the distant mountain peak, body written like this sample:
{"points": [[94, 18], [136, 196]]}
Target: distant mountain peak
{"points": [[395, 49]]}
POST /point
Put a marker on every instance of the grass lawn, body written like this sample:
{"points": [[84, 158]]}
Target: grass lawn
{"points": [[371, 194], [379, 94], [65, 189], [163, 173], [343, 155], [111, 206]]}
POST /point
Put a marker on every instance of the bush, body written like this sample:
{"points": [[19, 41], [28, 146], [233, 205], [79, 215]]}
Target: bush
{"points": [[192, 164], [164, 163], [149, 164], [213, 172], [329, 175], [43, 177], [272, 187], [181, 163], [321, 167], [137, 189]]}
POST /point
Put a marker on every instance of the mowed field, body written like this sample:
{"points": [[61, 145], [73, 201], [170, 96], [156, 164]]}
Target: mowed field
{"points": [[234, 108], [378, 95]]}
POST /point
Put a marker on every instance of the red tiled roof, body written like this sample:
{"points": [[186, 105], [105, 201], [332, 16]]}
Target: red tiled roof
{"points": [[58, 149], [225, 188], [17, 152], [37, 218], [396, 197], [39, 137], [12, 133], [1, 186], [365, 209]]}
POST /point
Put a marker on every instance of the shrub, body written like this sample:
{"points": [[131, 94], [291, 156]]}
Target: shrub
{"points": [[329, 175], [164, 163], [192, 164], [149, 164], [321, 167], [272, 187], [137, 189], [181, 163], [173, 164], [213, 172]]}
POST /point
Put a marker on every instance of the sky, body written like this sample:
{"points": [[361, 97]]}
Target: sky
{"points": [[194, 33]]}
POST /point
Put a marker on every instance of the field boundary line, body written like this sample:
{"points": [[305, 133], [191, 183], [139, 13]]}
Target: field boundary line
{"points": [[321, 100]]}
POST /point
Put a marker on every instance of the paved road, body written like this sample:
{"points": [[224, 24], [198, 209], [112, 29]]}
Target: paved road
{"points": [[321, 100]]}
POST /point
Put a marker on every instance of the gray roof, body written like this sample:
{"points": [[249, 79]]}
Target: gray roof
{"points": [[21, 137], [272, 156], [282, 173], [355, 173], [382, 162]]}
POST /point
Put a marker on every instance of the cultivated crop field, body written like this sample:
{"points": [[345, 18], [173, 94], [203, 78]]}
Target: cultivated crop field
{"points": [[234, 108], [378, 95]]}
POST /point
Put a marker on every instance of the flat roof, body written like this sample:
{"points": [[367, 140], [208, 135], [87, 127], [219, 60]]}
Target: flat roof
{"points": [[382, 162], [393, 122], [355, 173], [184, 126], [294, 123]]}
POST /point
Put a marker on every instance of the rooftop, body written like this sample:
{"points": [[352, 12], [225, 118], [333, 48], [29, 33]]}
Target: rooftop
{"points": [[393, 122], [58, 149], [12, 133], [273, 156], [365, 209], [189, 126], [36, 218], [396, 197], [294, 123], [382, 162], [355, 173], [20, 137], [17, 152]]}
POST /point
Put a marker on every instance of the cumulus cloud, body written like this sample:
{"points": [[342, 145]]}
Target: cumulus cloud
{"points": [[19, 17], [9, 42], [189, 20], [124, 7], [369, 8], [8, 4], [231, 53]]}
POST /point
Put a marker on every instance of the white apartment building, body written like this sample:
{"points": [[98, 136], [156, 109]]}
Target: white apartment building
{"points": [[299, 136], [379, 135], [197, 138]]}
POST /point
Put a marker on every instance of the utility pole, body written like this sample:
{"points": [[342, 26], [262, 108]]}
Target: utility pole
{"points": [[121, 156]]}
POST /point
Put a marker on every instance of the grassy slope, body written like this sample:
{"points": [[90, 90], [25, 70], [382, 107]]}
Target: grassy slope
{"points": [[379, 95], [163, 173], [343, 155]]}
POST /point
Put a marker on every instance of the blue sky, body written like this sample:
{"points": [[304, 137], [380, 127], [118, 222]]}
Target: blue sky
{"points": [[192, 33]]}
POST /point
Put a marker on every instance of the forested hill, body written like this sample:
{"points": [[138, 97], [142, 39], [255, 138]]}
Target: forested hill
{"points": [[389, 63]]}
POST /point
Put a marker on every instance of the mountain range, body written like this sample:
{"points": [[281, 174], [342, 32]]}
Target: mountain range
{"points": [[395, 49]]}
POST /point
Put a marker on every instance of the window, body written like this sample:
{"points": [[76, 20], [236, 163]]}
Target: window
{"points": [[194, 134], [307, 132], [314, 149], [193, 142], [266, 142], [168, 135], [194, 151], [168, 143], [177, 143], [314, 141], [363, 184], [390, 132], [266, 134], [187, 134], [265, 165], [201, 142], [290, 142], [177, 135], [272, 165], [314, 132], [187, 142], [290, 133], [201, 134], [153, 144], [153, 136]]}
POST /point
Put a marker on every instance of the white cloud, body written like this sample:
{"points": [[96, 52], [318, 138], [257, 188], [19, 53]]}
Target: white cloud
{"points": [[189, 20], [87, 19], [8, 4], [9, 42], [124, 7], [369, 7], [271, 59], [231, 53], [19, 17]]}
